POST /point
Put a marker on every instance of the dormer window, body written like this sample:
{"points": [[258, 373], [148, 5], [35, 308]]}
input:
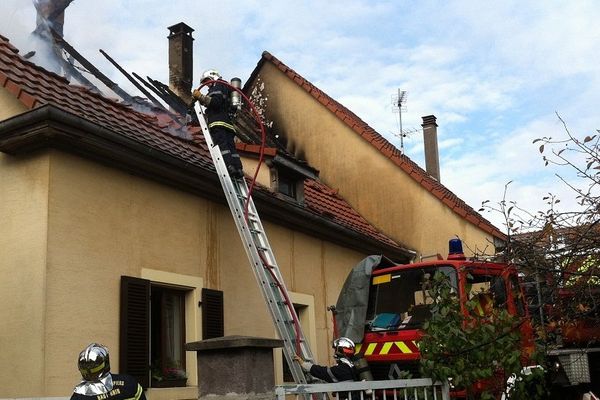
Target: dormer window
{"points": [[288, 175], [287, 183]]}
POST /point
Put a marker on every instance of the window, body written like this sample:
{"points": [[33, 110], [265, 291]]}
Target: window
{"points": [[400, 300], [304, 305], [489, 291], [287, 186], [167, 337], [287, 373], [287, 183], [157, 318]]}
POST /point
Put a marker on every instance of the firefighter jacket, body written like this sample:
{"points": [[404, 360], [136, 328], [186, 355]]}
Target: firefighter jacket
{"points": [[337, 373], [124, 387], [218, 111], [343, 371]]}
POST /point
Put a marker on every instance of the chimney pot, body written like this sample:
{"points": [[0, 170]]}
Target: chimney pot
{"points": [[432, 158], [181, 60]]}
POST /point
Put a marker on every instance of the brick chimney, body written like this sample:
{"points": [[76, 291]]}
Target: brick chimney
{"points": [[181, 60], [432, 158], [50, 14]]}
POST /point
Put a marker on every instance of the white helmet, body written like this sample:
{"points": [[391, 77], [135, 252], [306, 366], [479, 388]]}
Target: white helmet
{"points": [[343, 347], [210, 75]]}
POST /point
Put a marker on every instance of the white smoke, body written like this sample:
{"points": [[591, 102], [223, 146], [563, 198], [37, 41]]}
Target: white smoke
{"points": [[23, 25]]}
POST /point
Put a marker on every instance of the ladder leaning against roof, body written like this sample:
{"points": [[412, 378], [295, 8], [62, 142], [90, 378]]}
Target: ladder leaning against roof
{"points": [[261, 259]]}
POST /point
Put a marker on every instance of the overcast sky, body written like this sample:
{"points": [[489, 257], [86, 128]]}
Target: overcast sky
{"points": [[493, 73]]}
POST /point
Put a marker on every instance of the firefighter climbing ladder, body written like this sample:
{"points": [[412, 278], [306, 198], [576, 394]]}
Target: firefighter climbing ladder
{"points": [[261, 259]]}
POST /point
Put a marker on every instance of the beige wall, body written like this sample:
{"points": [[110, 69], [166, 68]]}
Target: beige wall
{"points": [[250, 165], [78, 226], [9, 105], [369, 181], [23, 242]]}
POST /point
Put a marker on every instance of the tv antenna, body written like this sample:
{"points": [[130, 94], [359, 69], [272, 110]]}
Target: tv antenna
{"points": [[399, 105]]}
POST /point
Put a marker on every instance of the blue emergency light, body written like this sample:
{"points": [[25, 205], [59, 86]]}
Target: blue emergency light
{"points": [[455, 249]]}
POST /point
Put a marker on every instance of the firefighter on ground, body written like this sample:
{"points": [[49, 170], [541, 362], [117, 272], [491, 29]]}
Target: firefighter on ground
{"points": [[343, 371], [219, 114], [98, 382]]}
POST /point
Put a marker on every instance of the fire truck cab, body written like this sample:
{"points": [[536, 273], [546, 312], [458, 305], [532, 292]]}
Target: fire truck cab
{"points": [[399, 304]]}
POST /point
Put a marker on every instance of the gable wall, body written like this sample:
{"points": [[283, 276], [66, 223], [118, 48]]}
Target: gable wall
{"points": [[368, 180]]}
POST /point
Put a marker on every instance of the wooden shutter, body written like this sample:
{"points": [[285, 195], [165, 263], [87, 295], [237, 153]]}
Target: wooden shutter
{"points": [[212, 314], [134, 343]]}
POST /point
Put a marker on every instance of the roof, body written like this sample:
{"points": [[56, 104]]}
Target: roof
{"points": [[153, 136], [445, 195]]}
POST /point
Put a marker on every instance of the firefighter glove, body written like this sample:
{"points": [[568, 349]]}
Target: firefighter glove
{"points": [[203, 99]]}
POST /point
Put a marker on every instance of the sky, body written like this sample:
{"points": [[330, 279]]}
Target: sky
{"points": [[495, 74]]}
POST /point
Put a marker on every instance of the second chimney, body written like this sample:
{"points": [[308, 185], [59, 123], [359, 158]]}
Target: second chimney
{"points": [[181, 60], [432, 158]]}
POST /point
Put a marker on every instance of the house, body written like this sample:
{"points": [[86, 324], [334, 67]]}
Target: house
{"points": [[401, 199], [114, 229]]}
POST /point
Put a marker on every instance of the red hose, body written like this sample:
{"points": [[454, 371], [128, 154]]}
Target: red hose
{"points": [[250, 190]]}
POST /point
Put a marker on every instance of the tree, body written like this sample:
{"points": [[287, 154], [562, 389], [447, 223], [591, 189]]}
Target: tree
{"points": [[476, 351], [558, 249]]}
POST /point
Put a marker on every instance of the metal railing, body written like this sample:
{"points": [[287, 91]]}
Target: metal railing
{"points": [[398, 389]]}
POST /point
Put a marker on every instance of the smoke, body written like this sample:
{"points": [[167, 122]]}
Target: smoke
{"points": [[26, 24]]}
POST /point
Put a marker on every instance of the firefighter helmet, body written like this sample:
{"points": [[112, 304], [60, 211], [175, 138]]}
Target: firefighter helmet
{"points": [[343, 347], [210, 75], [94, 362], [94, 366]]}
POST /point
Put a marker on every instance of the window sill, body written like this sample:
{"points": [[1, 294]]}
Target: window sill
{"points": [[170, 383], [172, 393]]}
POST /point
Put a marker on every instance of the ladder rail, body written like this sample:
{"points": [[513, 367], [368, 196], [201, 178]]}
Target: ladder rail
{"points": [[258, 250]]}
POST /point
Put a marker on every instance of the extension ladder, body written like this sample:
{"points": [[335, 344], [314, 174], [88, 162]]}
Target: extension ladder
{"points": [[261, 259]]}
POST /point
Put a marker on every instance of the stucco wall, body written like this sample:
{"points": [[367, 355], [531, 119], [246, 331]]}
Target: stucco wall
{"points": [[9, 105], [23, 242], [370, 182], [96, 223]]}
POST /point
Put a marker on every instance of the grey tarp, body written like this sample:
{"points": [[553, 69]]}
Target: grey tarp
{"points": [[351, 306]]}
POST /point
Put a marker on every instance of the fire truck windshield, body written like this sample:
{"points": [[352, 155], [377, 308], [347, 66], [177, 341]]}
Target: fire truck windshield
{"points": [[400, 300]]}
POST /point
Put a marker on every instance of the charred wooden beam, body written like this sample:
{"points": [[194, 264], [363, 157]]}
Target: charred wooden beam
{"points": [[174, 101], [72, 71], [60, 41], [161, 93], [135, 83], [163, 96]]}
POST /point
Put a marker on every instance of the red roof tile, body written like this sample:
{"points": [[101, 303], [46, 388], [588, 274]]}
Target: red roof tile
{"points": [[379, 142], [34, 87], [254, 148]]}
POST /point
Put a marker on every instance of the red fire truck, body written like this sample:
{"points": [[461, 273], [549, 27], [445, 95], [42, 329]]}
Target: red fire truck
{"points": [[399, 302]]}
